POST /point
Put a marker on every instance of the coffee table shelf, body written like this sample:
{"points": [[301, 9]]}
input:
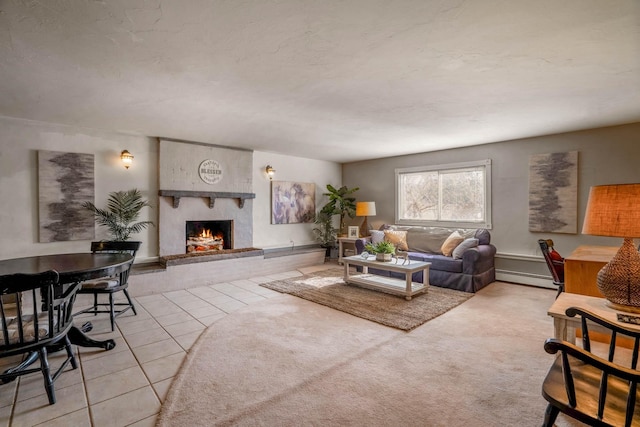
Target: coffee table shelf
{"points": [[406, 287]]}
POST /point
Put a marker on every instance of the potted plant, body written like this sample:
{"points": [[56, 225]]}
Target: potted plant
{"points": [[121, 214], [383, 250], [341, 202], [325, 232]]}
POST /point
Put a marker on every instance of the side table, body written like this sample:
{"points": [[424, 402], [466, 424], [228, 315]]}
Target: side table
{"points": [[344, 243], [565, 326]]}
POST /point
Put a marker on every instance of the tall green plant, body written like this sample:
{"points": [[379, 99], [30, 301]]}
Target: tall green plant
{"points": [[325, 232], [341, 202], [123, 209]]}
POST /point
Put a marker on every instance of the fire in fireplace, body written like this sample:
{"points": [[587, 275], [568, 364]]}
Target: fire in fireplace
{"points": [[205, 236]]}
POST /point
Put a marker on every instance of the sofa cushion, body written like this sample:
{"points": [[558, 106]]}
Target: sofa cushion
{"points": [[397, 238], [427, 240], [483, 236], [377, 236], [451, 243], [466, 244], [438, 262]]}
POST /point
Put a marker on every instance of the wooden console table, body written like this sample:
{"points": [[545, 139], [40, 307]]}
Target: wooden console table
{"points": [[582, 266]]}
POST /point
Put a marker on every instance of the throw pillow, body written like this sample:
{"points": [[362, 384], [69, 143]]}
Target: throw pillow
{"points": [[451, 243], [377, 236], [397, 238], [466, 244]]}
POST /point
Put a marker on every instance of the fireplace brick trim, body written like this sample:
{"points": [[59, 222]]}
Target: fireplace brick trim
{"points": [[211, 195]]}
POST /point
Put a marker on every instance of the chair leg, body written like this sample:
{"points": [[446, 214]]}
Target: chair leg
{"points": [[95, 304], [550, 416], [112, 313], [133, 307], [72, 357], [48, 381]]}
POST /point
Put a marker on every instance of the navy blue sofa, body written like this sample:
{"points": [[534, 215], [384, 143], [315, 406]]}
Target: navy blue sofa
{"points": [[473, 271]]}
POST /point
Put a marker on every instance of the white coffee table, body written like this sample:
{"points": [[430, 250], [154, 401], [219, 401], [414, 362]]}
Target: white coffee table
{"points": [[406, 288]]}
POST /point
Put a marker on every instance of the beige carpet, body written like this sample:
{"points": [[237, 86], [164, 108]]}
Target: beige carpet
{"points": [[328, 288], [290, 362]]}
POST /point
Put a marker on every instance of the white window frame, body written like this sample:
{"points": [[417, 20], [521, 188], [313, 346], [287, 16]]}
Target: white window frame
{"points": [[485, 223]]}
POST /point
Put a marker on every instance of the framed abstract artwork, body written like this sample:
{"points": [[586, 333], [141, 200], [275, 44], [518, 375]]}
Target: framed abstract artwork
{"points": [[553, 192], [292, 202], [65, 181]]}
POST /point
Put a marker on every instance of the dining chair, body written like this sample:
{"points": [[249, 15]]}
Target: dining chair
{"points": [[33, 317], [594, 389], [555, 263], [111, 285]]}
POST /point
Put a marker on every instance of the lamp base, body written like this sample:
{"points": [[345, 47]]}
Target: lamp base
{"points": [[619, 280], [622, 307], [364, 228]]}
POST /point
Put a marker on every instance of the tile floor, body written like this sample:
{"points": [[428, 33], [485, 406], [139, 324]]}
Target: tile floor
{"points": [[126, 385]]}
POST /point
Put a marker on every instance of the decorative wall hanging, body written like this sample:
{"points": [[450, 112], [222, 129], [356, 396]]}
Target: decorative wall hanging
{"points": [[553, 192], [65, 181], [292, 202], [210, 171]]}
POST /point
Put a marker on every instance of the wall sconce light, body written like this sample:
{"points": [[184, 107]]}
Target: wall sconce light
{"points": [[270, 171], [127, 158]]}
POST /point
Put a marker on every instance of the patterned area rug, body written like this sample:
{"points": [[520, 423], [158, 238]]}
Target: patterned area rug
{"points": [[328, 288]]}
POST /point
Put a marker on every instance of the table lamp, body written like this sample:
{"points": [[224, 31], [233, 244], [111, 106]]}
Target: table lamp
{"points": [[365, 209], [614, 211]]}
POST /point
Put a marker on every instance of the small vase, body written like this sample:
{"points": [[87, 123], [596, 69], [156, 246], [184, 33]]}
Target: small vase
{"points": [[383, 257]]}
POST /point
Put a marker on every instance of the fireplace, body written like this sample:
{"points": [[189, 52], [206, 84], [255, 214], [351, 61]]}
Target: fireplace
{"points": [[209, 236]]}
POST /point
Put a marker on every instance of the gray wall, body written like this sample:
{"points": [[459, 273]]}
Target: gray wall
{"points": [[605, 156]]}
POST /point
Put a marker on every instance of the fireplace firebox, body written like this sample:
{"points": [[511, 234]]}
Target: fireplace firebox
{"points": [[207, 236]]}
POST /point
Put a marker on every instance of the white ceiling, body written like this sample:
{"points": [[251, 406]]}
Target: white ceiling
{"points": [[339, 80]]}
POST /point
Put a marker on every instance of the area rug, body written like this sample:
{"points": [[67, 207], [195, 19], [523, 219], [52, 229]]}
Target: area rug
{"points": [[327, 287]]}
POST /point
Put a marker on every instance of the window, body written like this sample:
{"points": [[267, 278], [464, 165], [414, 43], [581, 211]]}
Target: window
{"points": [[454, 195]]}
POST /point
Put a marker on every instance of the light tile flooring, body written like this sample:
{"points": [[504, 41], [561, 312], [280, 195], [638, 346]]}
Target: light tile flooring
{"points": [[126, 385]]}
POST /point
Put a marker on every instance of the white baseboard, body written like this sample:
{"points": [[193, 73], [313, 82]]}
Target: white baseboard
{"points": [[525, 279]]}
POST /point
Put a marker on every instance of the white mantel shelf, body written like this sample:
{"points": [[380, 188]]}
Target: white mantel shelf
{"points": [[211, 195]]}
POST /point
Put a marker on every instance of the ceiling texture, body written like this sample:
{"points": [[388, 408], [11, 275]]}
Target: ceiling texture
{"points": [[338, 80]]}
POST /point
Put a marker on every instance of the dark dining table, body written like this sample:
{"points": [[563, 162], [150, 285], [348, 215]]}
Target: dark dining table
{"points": [[72, 268]]}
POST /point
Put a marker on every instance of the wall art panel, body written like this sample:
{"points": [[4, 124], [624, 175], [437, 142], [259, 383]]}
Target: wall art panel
{"points": [[65, 181], [292, 202], [553, 192]]}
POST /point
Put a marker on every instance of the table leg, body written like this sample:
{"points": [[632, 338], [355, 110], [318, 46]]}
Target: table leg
{"points": [[571, 333], [346, 272], [561, 326], [408, 289], [77, 337], [425, 277], [31, 358]]}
